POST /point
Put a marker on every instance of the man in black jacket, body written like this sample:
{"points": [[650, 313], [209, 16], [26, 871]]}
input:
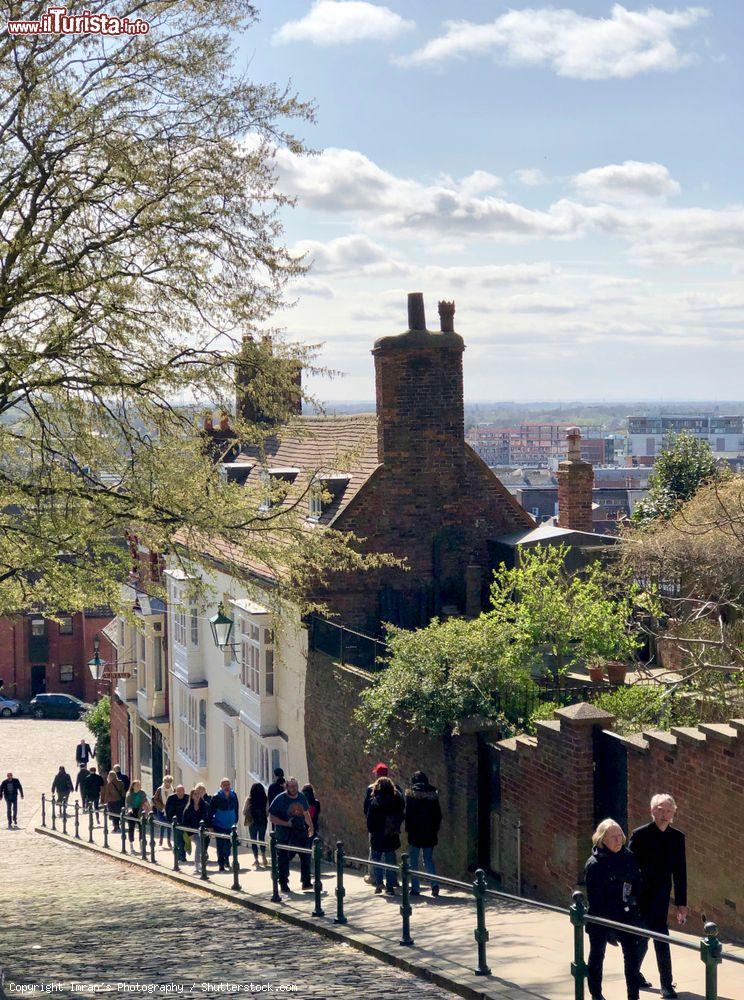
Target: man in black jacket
{"points": [[90, 789], [10, 789], [83, 752], [660, 852], [82, 774], [423, 819], [175, 807]]}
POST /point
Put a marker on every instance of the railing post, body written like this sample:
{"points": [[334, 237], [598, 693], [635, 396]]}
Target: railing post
{"points": [[202, 835], [77, 820], [234, 844], [317, 884], [54, 815], [275, 897], [710, 953], [90, 823], [578, 966], [123, 832], [64, 818], [143, 835], [43, 809], [105, 827], [481, 933], [340, 891], [174, 824], [405, 906], [151, 829]]}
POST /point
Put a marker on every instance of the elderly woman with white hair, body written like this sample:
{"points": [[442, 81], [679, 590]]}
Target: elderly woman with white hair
{"points": [[612, 882]]}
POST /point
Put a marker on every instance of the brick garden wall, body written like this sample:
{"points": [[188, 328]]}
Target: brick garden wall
{"points": [[339, 768], [547, 783], [703, 768]]}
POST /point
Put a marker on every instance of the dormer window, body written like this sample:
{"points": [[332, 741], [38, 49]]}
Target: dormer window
{"points": [[326, 488], [273, 479]]}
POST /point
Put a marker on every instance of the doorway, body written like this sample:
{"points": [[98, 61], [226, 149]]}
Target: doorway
{"points": [[38, 679]]}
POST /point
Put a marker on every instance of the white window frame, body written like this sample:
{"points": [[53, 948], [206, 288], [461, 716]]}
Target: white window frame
{"points": [[180, 615], [192, 727], [256, 656]]}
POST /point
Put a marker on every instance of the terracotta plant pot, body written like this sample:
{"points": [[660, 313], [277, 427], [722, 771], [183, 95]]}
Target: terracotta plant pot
{"points": [[596, 674], [616, 671]]}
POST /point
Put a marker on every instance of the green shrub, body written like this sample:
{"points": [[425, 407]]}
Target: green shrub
{"points": [[98, 720]]}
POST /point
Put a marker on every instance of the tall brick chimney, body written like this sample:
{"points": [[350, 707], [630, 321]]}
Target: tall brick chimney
{"points": [[575, 482], [245, 404], [421, 428]]}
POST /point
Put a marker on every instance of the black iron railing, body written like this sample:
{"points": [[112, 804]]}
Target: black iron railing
{"points": [[710, 948]]}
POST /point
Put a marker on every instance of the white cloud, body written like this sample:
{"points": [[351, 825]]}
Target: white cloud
{"points": [[588, 48], [531, 177], [339, 22], [345, 254], [626, 181]]}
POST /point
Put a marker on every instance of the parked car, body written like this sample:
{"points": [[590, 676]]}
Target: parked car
{"points": [[9, 706], [57, 706]]}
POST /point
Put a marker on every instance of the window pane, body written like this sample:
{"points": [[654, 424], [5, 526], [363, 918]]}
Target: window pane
{"points": [[269, 671], [194, 628], [65, 626]]}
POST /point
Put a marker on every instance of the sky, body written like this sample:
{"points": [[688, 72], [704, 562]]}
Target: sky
{"points": [[570, 174]]}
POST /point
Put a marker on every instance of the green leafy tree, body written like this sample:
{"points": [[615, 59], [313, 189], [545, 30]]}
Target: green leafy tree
{"points": [[685, 463], [141, 242], [449, 670], [98, 720]]}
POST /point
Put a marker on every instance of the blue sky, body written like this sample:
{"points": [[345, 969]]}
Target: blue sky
{"points": [[570, 174]]}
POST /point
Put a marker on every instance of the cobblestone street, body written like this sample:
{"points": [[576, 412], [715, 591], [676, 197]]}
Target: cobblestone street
{"points": [[73, 917]]}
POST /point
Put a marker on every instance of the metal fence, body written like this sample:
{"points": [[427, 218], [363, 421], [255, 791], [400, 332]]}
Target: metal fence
{"points": [[347, 646], [710, 948]]}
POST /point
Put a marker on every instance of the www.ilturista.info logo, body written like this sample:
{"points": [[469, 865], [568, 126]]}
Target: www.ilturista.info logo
{"points": [[57, 21]]}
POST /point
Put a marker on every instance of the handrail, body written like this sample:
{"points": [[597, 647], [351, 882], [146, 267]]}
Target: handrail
{"points": [[709, 947]]}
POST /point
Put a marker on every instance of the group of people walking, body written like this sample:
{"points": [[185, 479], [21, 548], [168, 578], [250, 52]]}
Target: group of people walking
{"points": [[630, 882]]}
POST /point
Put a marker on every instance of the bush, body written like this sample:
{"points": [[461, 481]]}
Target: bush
{"points": [[98, 720], [543, 712], [641, 706]]}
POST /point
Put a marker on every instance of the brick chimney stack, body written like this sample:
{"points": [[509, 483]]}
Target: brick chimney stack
{"points": [[575, 483], [420, 414]]}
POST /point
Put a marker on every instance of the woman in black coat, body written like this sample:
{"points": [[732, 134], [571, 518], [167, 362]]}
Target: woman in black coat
{"points": [[62, 785], [612, 881], [423, 819], [384, 820], [255, 815]]}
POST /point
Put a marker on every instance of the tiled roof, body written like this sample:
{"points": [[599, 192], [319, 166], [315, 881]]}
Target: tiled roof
{"points": [[324, 444]]}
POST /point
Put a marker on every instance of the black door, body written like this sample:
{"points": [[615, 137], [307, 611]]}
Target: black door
{"points": [[157, 758], [610, 778], [38, 679], [489, 804]]}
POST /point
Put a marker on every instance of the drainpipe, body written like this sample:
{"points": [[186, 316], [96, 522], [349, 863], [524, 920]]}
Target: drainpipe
{"points": [[519, 857]]}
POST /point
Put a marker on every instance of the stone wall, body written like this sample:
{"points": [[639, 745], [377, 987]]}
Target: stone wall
{"points": [[340, 768]]}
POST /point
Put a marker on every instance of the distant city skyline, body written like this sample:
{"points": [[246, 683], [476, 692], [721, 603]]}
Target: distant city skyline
{"points": [[570, 175]]}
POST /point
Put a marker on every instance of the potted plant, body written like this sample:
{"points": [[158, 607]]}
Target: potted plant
{"points": [[616, 671], [596, 671]]}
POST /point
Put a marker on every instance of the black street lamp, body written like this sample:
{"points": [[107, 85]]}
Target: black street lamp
{"points": [[222, 627], [97, 665]]}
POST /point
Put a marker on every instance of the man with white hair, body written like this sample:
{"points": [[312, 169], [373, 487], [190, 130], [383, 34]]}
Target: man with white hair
{"points": [[659, 850]]}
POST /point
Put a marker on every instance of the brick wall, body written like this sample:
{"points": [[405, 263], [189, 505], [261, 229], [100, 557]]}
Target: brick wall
{"points": [[547, 783], [703, 768], [575, 483], [339, 768]]}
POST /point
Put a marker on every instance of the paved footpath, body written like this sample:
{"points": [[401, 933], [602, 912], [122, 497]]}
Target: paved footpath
{"points": [[529, 950]]}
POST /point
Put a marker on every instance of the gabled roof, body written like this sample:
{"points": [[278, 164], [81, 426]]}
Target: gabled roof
{"points": [[340, 444]]}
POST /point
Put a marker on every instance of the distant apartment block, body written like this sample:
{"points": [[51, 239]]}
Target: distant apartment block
{"points": [[648, 435], [537, 445]]}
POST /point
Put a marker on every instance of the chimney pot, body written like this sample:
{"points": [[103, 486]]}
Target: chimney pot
{"points": [[208, 423], [416, 313], [447, 317]]}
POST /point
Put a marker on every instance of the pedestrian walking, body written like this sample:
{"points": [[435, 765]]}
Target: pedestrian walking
{"points": [[290, 815], [80, 777], [277, 786], [62, 785], [175, 807], [10, 789], [255, 817], [196, 812], [83, 752], [423, 820], [313, 805], [162, 793], [659, 849], [378, 771], [385, 812], [91, 789], [123, 778], [136, 804], [113, 796], [223, 816], [612, 881]]}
